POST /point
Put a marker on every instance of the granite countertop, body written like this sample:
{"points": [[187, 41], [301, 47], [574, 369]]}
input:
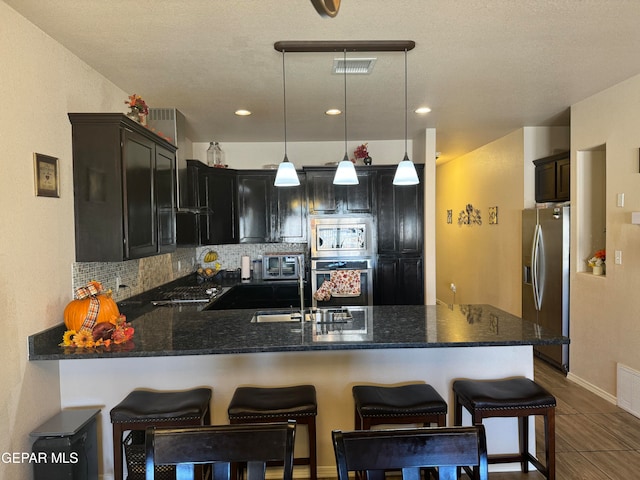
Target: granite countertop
{"points": [[187, 330]]}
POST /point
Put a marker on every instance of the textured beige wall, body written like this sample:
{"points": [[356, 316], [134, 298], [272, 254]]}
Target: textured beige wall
{"points": [[482, 260], [40, 82], [605, 311]]}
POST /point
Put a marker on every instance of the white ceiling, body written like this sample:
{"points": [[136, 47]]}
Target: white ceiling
{"points": [[485, 67]]}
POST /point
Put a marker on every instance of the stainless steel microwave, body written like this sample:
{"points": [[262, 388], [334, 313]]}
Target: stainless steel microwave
{"points": [[282, 266]]}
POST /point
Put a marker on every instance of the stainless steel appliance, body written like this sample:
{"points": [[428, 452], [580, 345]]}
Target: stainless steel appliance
{"points": [[545, 286], [334, 236], [282, 266], [342, 243], [321, 270]]}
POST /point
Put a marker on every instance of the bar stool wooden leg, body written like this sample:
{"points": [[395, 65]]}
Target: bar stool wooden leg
{"points": [[117, 452]]}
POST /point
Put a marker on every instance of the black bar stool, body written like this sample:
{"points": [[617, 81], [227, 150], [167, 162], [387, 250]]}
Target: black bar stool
{"points": [[514, 397], [279, 404], [416, 403], [145, 408]]}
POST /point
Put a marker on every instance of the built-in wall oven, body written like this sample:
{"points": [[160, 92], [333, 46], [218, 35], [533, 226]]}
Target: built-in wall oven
{"points": [[321, 272], [342, 247]]}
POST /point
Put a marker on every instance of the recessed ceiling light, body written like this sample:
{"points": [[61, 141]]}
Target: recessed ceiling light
{"points": [[422, 110], [242, 112], [333, 111]]}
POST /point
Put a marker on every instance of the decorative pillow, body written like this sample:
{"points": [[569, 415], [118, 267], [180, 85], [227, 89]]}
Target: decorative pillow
{"points": [[345, 282]]}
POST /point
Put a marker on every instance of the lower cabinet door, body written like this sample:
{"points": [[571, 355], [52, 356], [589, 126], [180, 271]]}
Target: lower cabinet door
{"points": [[399, 281]]}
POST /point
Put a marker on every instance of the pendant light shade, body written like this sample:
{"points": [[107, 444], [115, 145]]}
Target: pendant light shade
{"points": [[406, 172], [286, 175], [346, 172]]}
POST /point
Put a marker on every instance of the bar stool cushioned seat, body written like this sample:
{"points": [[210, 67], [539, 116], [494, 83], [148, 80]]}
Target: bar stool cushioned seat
{"points": [[513, 397], [144, 408], [415, 403], [279, 404]]}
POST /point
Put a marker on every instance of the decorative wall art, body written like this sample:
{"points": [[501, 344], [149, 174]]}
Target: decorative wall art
{"points": [[449, 216], [469, 216], [493, 215], [47, 180]]}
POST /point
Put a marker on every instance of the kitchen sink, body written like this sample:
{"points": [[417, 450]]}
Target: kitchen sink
{"points": [[276, 316]]}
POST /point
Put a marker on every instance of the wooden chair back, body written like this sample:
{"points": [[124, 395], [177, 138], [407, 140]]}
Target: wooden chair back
{"points": [[221, 446], [410, 450]]}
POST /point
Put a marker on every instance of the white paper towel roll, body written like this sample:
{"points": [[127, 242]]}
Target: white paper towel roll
{"points": [[245, 268]]}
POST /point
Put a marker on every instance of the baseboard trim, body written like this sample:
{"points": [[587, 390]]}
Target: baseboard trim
{"points": [[592, 388]]}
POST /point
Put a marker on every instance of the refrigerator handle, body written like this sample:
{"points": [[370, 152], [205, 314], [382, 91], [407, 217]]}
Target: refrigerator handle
{"points": [[534, 266]]}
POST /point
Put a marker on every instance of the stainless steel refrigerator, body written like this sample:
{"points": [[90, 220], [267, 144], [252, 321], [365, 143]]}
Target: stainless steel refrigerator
{"points": [[545, 286]]}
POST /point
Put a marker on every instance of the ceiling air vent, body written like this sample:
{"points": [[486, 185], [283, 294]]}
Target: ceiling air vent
{"points": [[353, 66]]}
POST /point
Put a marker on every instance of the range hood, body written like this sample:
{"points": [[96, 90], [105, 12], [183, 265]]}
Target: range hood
{"points": [[170, 122]]}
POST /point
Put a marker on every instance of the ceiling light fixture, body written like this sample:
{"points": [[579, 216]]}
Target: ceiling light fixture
{"points": [[346, 172], [311, 46], [242, 112], [333, 111], [422, 110], [326, 8], [286, 175], [406, 172]]}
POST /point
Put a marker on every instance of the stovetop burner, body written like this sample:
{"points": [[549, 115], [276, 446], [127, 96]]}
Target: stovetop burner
{"points": [[188, 294]]}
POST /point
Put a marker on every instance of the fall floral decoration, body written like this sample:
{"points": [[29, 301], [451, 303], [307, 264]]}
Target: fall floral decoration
{"points": [[361, 151], [93, 319], [137, 105], [598, 259], [104, 334]]}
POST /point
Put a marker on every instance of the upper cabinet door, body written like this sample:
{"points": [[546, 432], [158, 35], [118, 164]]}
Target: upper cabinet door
{"points": [[290, 213], [268, 213], [166, 199], [400, 214], [140, 206], [253, 206], [325, 198], [321, 193], [219, 217], [552, 178]]}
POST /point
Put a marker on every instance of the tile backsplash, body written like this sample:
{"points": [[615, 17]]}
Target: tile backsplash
{"points": [[229, 256], [138, 276], [135, 276]]}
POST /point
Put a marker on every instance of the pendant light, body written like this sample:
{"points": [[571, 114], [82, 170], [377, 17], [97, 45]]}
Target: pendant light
{"points": [[406, 172], [286, 175], [346, 172]]}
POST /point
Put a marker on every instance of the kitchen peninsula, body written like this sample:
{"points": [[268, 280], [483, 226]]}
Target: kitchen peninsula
{"points": [[183, 347]]}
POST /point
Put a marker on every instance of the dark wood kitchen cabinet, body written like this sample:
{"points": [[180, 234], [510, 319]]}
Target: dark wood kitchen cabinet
{"points": [[399, 278], [213, 216], [269, 214], [124, 189], [219, 211], [325, 198], [400, 214], [553, 178]]}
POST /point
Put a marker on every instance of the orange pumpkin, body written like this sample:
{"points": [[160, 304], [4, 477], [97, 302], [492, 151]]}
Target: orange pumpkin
{"points": [[76, 311]]}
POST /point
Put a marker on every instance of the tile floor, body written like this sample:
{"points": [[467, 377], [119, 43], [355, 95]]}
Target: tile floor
{"points": [[594, 439]]}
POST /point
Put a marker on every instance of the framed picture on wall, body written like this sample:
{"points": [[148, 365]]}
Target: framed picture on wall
{"points": [[47, 177]]}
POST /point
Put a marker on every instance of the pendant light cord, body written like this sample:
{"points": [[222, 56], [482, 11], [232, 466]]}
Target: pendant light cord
{"points": [[344, 71], [405, 103], [284, 102]]}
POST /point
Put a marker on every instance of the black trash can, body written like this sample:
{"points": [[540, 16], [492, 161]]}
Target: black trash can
{"points": [[66, 446]]}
